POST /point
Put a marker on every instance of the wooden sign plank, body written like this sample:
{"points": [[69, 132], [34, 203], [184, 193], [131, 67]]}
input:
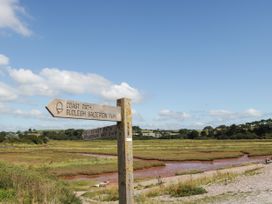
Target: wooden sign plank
{"points": [[73, 109]]}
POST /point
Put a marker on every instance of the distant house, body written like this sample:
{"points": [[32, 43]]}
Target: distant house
{"points": [[151, 133]]}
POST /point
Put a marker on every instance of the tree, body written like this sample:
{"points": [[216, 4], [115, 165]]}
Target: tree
{"points": [[2, 136], [204, 133], [184, 131], [193, 135]]}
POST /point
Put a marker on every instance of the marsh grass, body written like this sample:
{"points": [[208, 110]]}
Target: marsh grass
{"points": [[68, 164], [59, 155], [175, 150]]}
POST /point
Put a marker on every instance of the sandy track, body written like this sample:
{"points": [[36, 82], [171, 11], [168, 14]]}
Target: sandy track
{"points": [[255, 189]]}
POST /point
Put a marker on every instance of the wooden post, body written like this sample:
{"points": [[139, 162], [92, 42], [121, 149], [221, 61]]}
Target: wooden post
{"points": [[125, 156]]}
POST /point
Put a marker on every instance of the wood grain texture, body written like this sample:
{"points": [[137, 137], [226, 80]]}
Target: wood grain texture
{"points": [[125, 155]]}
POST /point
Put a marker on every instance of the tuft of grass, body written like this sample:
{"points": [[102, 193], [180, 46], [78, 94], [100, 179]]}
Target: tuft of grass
{"points": [[182, 190], [193, 171], [253, 172]]}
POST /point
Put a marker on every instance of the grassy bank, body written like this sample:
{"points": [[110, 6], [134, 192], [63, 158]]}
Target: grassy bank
{"points": [[23, 185], [67, 164]]}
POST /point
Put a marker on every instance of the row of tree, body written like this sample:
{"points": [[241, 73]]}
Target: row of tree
{"points": [[69, 134], [254, 130], [31, 137], [40, 137]]}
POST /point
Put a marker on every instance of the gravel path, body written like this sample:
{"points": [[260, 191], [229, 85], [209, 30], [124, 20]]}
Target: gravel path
{"points": [[254, 189], [246, 189]]}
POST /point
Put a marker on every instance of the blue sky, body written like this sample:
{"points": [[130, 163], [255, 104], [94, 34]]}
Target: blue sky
{"points": [[185, 64]]}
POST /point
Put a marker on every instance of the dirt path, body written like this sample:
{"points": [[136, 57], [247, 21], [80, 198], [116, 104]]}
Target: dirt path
{"points": [[253, 189], [256, 189]]}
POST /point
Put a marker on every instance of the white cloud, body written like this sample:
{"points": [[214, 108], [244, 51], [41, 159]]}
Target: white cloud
{"points": [[226, 115], [252, 113], [34, 113], [10, 10], [119, 90], [166, 114], [4, 60], [7, 93], [24, 76], [73, 82], [52, 81]]}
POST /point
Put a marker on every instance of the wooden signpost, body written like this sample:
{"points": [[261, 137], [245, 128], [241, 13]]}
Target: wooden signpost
{"points": [[121, 114]]}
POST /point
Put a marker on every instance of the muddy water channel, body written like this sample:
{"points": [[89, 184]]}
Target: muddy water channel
{"points": [[171, 168]]}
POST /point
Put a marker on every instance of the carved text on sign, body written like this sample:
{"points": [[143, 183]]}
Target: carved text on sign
{"points": [[88, 111]]}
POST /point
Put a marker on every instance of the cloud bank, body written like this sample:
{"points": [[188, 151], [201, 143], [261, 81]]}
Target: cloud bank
{"points": [[53, 82]]}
